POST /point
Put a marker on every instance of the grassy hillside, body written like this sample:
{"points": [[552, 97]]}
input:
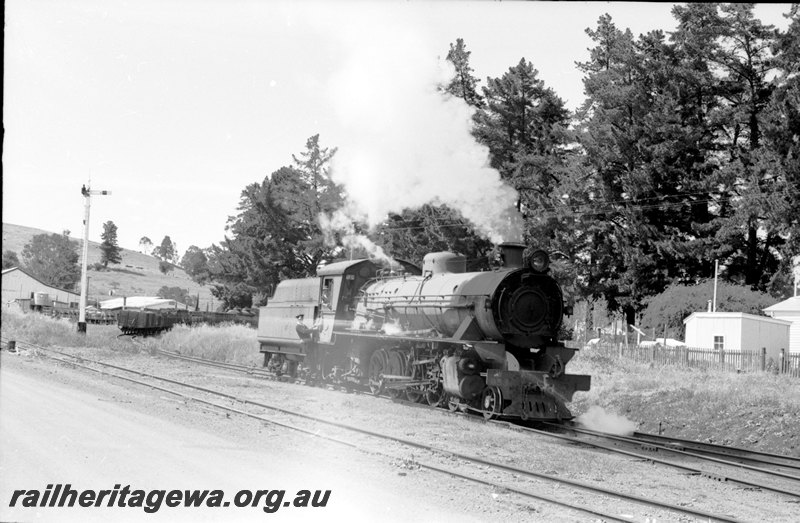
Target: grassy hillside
{"points": [[136, 275]]}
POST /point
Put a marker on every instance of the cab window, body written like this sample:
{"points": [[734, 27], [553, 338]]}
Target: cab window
{"points": [[327, 294]]}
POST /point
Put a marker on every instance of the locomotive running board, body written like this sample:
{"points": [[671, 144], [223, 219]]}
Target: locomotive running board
{"points": [[375, 335]]}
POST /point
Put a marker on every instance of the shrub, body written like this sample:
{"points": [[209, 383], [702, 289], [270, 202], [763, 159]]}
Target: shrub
{"points": [[677, 302]]}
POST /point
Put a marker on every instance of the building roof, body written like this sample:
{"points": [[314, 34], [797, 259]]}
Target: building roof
{"points": [[31, 276], [141, 302], [790, 305], [739, 315]]}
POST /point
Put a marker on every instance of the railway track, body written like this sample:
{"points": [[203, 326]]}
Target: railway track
{"points": [[771, 465], [790, 486], [712, 449], [786, 468], [512, 485]]}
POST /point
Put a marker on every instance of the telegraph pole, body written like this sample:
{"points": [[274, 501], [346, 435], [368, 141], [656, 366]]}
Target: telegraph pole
{"points": [[716, 275], [87, 193]]}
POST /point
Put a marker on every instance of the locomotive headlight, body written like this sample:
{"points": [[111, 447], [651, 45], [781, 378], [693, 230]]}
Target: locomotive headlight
{"points": [[540, 261]]}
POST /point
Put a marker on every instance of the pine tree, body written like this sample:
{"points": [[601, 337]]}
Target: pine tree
{"points": [[742, 53], [780, 155], [109, 249], [307, 191], [637, 133], [463, 85]]}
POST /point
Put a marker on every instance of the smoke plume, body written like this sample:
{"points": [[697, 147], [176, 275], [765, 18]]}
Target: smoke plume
{"points": [[340, 223], [404, 143], [596, 418]]}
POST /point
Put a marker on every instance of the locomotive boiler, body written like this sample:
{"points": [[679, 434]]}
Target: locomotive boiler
{"points": [[481, 341]]}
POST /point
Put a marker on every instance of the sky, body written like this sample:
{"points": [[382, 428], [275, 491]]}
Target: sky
{"points": [[175, 106]]}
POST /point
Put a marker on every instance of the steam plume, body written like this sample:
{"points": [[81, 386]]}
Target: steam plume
{"points": [[596, 418], [341, 222], [405, 144]]}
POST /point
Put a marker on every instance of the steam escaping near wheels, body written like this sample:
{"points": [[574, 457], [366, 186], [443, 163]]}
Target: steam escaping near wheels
{"points": [[596, 418]]}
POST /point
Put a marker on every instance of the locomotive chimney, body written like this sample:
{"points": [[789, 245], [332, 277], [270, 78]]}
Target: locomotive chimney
{"points": [[511, 255]]}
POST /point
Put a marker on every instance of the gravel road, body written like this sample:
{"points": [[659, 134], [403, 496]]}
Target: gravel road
{"points": [[60, 426]]}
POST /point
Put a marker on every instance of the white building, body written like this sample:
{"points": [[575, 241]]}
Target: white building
{"points": [[788, 310], [734, 331], [19, 285]]}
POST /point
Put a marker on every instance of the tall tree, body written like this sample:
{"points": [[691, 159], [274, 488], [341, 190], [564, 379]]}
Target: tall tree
{"points": [[650, 150], [780, 154], [306, 191], [276, 233], [463, 84], [525, 125], [53, 258], [264, 243], [742, 53], [680, 143], [110, 251], [195, 263], [166, 251], [146, 245]]}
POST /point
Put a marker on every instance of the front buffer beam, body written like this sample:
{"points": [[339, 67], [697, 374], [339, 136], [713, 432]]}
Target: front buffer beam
{"points": [[535, 395]]}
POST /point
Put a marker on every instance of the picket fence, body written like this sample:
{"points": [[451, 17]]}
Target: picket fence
{"points": [[708, 359]]}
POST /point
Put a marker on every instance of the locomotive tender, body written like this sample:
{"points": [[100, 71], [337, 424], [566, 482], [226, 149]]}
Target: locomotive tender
{"points": [[481, 341]]}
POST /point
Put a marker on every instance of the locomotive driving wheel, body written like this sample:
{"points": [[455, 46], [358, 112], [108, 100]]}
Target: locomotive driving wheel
{"points": [[453, 404], [492, 402], [378, 366], [434, 395], [397, 367], [415, 393]]}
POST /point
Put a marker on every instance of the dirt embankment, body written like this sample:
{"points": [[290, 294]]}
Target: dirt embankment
{"points": [[759, 411]]}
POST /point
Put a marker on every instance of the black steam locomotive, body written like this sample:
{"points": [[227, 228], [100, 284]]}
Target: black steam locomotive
{"points": [[481, 341]]}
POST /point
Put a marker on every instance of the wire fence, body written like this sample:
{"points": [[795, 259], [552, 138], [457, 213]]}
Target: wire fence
{"points": [[707, 359]]}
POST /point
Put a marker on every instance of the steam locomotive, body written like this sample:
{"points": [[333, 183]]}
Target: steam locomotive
{"points": [[472, 341]]}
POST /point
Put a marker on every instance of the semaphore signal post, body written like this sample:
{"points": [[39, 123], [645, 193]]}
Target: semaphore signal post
{"points": [[87, 193]]}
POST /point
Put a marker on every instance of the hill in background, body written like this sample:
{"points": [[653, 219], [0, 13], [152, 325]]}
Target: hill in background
{"points": [[136, 275]]}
